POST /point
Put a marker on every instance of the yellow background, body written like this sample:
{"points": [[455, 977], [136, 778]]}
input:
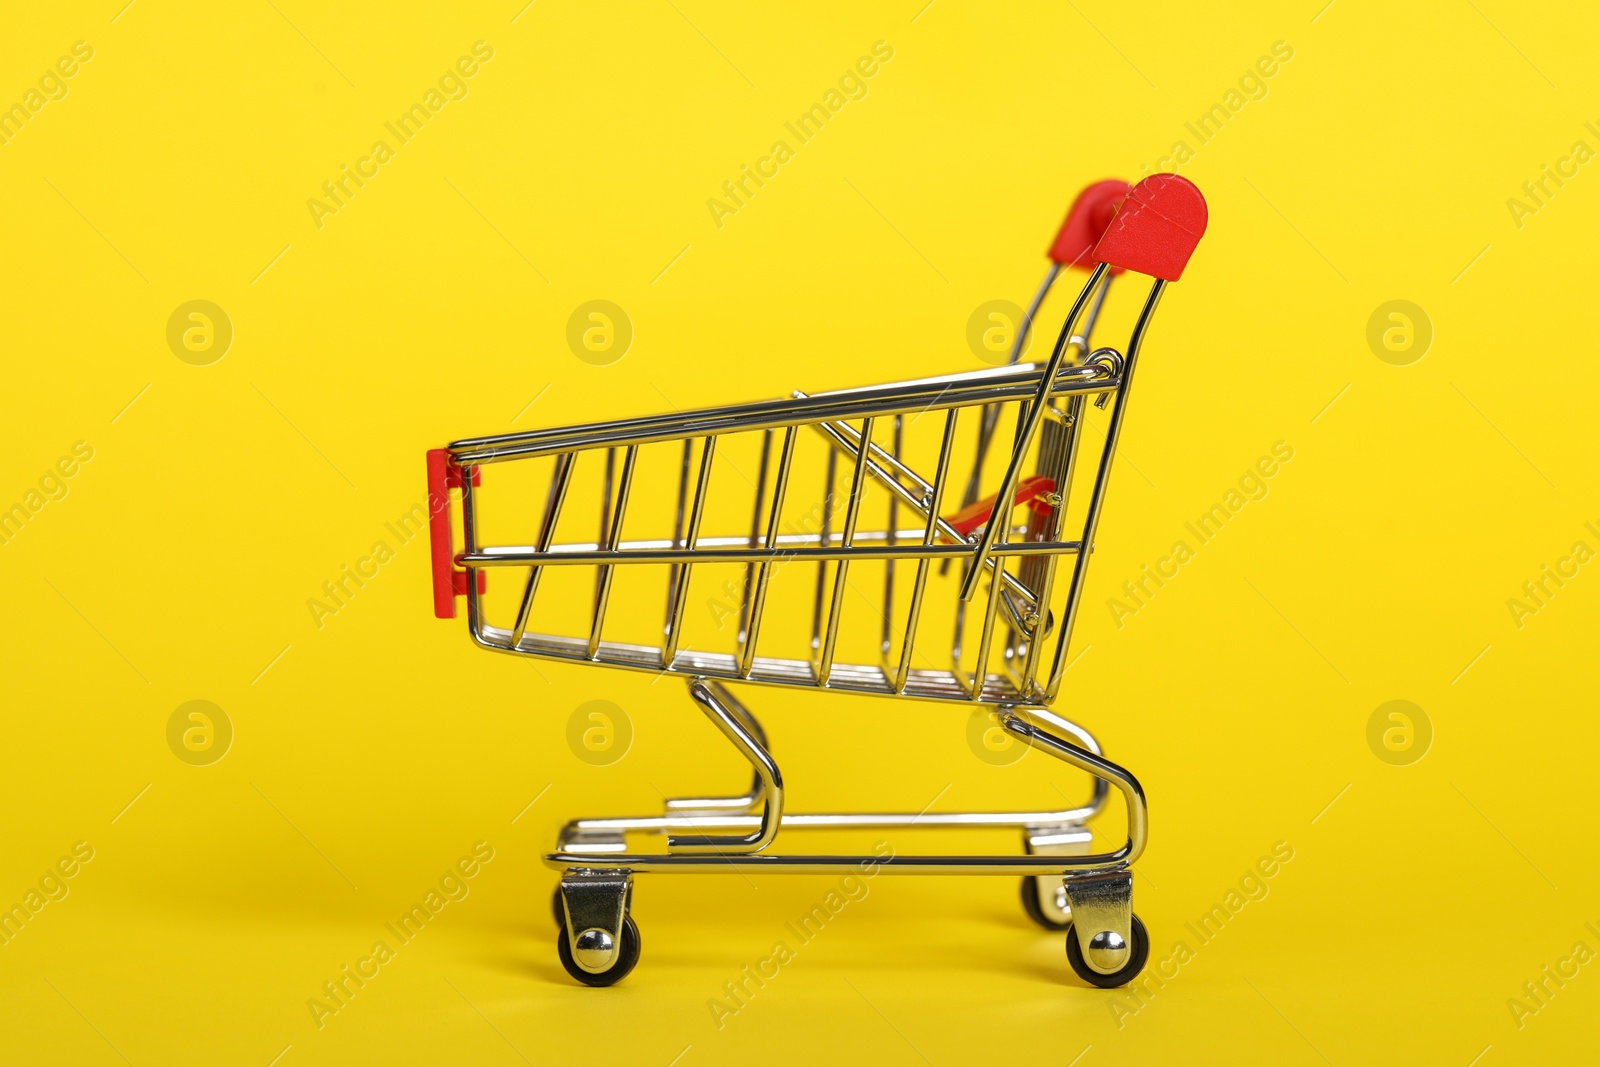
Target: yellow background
{"points": [[373, 752]]}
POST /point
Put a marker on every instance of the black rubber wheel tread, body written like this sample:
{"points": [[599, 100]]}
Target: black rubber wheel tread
{"points": [[627, 957], [1030, 904], [1136, 959]]}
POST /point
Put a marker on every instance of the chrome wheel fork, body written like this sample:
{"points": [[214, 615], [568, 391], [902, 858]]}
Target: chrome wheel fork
{"points": [[595, 902]]}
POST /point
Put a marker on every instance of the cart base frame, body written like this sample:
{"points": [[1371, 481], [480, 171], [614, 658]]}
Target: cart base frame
{"points": [[1066, 885]]}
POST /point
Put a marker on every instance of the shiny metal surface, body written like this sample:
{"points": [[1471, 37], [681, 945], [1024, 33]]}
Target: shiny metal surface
{"points": [[1073, 839], [1030, 426], [1102, 917], [1054, 837], [1097, 497], [885, 456], [680, 571], [1046, 832], [1078, 344], [1019, 721], [1018, 561], [602, 593], [773, 863], [594, 902], [847, 541], [904, 398], [717, 704]]}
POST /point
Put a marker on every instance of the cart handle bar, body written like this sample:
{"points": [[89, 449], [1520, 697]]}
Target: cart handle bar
{"points": [[448, 582], [1156, 229], [1086, 222], [1154, 232]]}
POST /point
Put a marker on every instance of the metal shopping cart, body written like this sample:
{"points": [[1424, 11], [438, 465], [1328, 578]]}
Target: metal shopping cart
{"points": [[837, 599]]}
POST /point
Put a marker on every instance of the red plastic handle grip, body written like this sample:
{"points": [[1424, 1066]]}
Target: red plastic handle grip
{"points": [[975, 514], [448, 582], [1156, 229], [1087, 220]]}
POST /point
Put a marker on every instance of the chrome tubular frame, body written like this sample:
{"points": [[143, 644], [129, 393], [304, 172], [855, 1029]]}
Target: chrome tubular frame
{"points": [[1021, 610]]}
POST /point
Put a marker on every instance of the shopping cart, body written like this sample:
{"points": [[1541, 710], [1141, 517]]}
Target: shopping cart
{"points": [[848, 560]]}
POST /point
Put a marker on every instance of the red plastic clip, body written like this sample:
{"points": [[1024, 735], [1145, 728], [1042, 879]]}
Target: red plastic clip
{"points": [[448, 582], [1031, 490], [1156, 229], [1086, 222]]}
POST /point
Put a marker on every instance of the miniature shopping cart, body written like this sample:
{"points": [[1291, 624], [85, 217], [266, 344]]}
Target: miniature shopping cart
{"points": [[815, 542]]}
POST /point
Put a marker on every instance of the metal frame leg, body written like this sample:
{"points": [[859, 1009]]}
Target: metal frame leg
{"points": [[720, 708], [739, 805], [708, 815]]}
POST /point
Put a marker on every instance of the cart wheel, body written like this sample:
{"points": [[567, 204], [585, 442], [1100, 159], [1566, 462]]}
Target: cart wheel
{"points": [[1057, 916], [1138, 952], [627, 956]]}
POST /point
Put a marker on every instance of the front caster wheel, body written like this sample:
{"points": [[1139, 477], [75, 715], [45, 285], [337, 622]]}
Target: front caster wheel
{"points": [[1138, 952], [627, 954], [1054, 915]]}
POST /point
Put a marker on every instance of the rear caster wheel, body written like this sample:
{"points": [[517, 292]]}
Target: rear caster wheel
{"points": [[1138, 952], [627, 953], [1054, 915]]}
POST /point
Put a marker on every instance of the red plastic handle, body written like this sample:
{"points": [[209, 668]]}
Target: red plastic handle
{"points": [[1087, 220], [1030, 490], [448, 582], [1156, 229]]}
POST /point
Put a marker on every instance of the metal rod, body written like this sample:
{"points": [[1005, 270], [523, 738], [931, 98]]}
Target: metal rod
{"points": [[766, 863], [842, 567], [1040, 401], [1068, 447], [560, 480], [605, 509], [1069, 439], [991, 412], [1018, 722], [1023, 722], [909, 398], [822, 567], [709, 696], [1086, 335], [936, 497], [780, 488], [1097, 498], [615, 538], [986, 641], [733, 813], [523, 556], [888, 570], [755, 534], [669, 648], [847, 440], [677, 530], [995, 515], [469, 539], [904, 534], [1021, 340], [703, 810]]}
